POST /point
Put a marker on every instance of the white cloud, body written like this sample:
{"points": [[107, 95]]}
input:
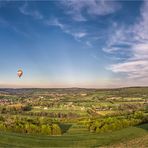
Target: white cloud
{"points": [[117, 36], [140, 51], [102, 7], [76, 34], [78, 8], [24, 9], [66, 28], [141, 28], [55, 22], [79, 34], [129, 66], [134, 68], [88, 43]]}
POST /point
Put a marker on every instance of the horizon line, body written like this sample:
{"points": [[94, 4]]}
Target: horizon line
{"points": [[72, 87]]}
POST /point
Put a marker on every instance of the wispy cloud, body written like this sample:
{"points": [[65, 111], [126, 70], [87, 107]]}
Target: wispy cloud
{"points": [[88, 43], [66, 28], [135, 42], [54, 22], [115, 38], [79, 34], [79, 8], [4, 23], [75, 9], [24, 9]]}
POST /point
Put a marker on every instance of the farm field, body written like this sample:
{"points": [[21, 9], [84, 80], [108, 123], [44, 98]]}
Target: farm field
{"points": [[74, 117]]}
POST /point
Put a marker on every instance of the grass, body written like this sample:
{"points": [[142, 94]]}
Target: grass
{"points": [[140, 142], [135, 142], [75, 137], [64, 110], [106, 112]]}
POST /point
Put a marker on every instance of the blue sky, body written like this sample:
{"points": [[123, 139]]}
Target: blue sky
{"points": [[75, 43]]}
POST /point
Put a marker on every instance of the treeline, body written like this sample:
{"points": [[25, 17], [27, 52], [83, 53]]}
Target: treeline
{"points": [[68, 115], [53, 114], [130, 92], [123, 109], [15, 108], [115, 123], [26, 110], [29, 125]]}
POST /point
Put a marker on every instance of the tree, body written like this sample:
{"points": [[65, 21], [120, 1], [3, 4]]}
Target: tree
{"points": [[45, 129], [56, 129]]}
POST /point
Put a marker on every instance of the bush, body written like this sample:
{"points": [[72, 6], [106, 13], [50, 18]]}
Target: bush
{"points": [[56, 130], [114, 123], [29, 125]]}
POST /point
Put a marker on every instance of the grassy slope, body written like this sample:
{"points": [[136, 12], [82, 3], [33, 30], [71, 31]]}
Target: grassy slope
{"points": [[141, 142], [74, 138]]}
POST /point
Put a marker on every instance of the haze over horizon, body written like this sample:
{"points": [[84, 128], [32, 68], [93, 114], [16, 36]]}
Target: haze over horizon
{"points": [[89, 44]]}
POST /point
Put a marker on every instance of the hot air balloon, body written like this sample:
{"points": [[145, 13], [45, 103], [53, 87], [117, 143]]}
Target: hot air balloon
{"points": [[19, 73]]}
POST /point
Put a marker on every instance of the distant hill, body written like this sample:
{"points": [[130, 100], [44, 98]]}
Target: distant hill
{"points": [[126, 91]]}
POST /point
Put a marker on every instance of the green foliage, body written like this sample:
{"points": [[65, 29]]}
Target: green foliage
{"points": [[77, 140], [29, 125], [138, 115], [115, 123], [55, 111], [46, 130], [56, 129], [27, 107]]}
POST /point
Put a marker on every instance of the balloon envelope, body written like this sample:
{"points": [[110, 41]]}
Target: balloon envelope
{"points": [[19, 73]]}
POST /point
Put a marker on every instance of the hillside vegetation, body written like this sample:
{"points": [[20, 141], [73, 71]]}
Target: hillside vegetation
{"points": [[73, 117]]}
